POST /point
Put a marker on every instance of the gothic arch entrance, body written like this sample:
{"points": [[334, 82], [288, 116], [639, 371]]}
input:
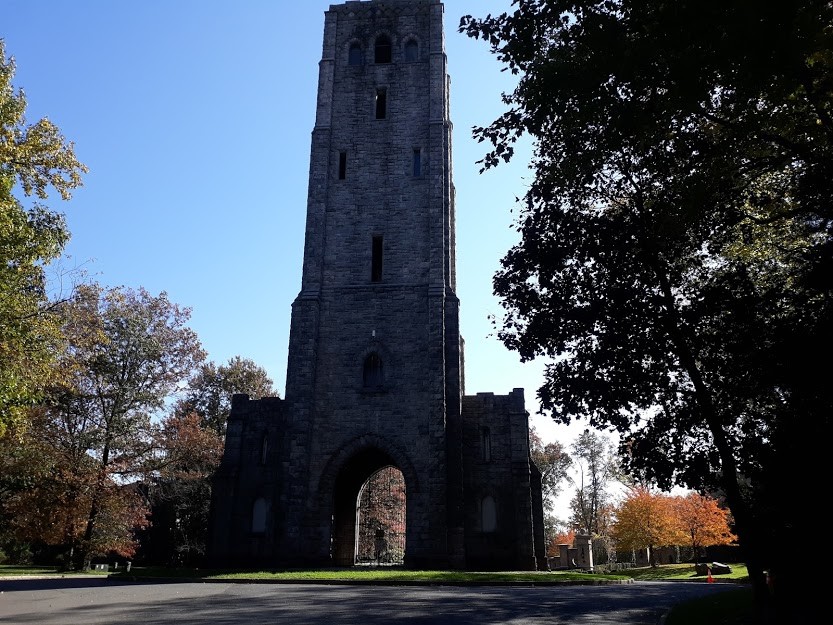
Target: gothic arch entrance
{"points": [[381, 518], [369, 495]]}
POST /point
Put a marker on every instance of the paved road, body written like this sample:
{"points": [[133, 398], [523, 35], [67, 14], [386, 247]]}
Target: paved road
{"points": [[103, 602]]}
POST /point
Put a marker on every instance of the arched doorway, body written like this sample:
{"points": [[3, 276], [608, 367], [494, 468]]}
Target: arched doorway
{"points": [[381, 518], [369, 495]]}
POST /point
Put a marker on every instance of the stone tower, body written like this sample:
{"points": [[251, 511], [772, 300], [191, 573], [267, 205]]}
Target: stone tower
{"points": [[375, 366]]}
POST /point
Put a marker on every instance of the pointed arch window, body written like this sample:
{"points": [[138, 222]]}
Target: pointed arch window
{"points": [[373, 376], [383, 51]]}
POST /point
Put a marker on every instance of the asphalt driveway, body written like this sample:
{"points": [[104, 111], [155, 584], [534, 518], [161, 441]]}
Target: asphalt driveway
{"points": [[97, 601]]}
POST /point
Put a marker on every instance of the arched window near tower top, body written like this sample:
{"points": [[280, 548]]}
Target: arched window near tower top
{"points": [[356, 55], [384, 50]]}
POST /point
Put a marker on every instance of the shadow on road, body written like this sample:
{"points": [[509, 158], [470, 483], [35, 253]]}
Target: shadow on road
{"points": [[54, 583]]}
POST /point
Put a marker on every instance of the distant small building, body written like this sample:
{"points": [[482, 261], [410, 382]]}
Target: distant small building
{"points": [[579, 555]]}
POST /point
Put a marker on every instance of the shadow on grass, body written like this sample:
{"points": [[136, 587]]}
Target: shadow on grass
{"points": [[686, 572], [56, 583], [733, 607]]}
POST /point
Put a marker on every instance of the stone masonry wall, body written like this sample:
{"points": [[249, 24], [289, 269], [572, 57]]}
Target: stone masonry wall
{"points": [[250, 470], [343, 315], [496, 463]]}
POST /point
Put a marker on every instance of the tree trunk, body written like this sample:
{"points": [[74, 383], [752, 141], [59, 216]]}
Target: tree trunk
{"points": [[747, 531], [85, 552]]}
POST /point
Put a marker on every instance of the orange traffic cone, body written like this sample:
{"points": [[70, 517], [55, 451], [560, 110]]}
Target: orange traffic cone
{"points": [[710, 579]]}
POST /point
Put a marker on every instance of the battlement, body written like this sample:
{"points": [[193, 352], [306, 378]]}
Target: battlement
{"points": [[513, 402], [243, 406]]}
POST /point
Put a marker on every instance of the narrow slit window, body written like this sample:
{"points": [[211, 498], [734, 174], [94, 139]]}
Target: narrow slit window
{"points": [[417, 162], [373, 375], [381, 103], [260, 510], [411, 51], [342, 165], [383, 52], [376, 260], [488, 518], [356, 55], [486, 444]]}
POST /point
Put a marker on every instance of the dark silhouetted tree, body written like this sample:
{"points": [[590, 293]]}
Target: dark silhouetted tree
{"points": [[676, 254]]}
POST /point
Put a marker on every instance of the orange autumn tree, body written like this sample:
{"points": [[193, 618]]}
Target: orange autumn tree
{"points": [[47, 488], [180, 492], [646, 520], [563, 537], [703, 521], [127, 353]]}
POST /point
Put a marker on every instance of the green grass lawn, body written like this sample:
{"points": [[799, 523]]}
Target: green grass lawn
{"points": [[676, 572], [682, 572], [372, 574], [11, 570]]}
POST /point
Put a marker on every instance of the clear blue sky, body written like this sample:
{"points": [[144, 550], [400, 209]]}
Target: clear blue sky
{"points": [[195, 117]]}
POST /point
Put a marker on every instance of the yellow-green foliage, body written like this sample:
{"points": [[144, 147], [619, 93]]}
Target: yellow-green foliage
{"points": [[34, 158]]}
